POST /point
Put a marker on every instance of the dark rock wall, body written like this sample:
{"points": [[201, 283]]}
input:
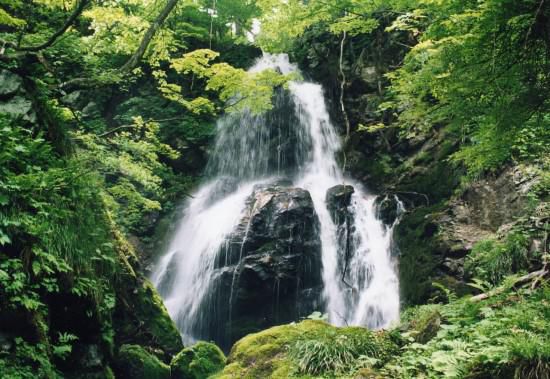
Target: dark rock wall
{"points": [[269, 271]]}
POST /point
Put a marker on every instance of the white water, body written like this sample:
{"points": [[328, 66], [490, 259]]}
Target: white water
{"points": [[244, 156]]}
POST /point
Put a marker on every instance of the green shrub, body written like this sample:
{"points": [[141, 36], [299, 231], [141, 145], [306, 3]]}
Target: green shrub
{"points": [[27, 361], [198, 361], [492, 260], [530, 356], [334, 350]]}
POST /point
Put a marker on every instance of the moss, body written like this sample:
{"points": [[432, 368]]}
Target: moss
{"points": [[377, 168], [134, 362], [142, 318], [268, 354], [434, 181], [424, 322], [418, 259], [159, 323], [198, 361]]}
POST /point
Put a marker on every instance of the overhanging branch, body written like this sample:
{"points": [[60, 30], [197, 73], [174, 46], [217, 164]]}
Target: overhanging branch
{"points": [[77, 12], [148, 36]]}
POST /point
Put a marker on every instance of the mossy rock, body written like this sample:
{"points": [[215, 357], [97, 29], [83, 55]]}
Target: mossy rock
{"points": [[198, 361], [134, 362], [267, 354], [415, 237], [426, 326], [141, 318], [263, 354]]}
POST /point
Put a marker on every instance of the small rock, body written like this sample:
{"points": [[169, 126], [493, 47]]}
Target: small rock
{"points": [[6, 342], [338, 200], [387, 209], [91, 356]]}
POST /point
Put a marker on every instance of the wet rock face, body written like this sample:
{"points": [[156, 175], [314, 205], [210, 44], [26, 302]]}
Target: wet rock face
{"points": [[270, 269], [338, 200], [388, 209]]}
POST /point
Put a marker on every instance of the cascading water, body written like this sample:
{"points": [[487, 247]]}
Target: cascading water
{"points": [[295, 141]]}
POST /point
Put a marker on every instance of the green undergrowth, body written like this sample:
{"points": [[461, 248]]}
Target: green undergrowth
{"points": [[504, 336], [308, 349], [55, 245], [491, 260], [67, 274]]}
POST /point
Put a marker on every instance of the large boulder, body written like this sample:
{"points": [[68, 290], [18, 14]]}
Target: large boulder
{"points": [[269, 271]]}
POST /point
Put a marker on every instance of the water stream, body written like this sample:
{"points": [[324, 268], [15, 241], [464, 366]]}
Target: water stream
{"points": [[256, 149]]}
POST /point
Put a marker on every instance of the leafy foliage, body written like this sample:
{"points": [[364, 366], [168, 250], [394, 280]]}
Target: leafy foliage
{"points": [[492, 260], [479, 68], [482, 339], [55, 241]]}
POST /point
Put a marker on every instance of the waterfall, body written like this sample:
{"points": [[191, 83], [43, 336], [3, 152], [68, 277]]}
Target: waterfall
{"points": [[295, 144]]}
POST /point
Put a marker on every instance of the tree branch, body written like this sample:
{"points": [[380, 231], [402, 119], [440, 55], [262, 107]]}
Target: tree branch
{"points": [[134, 60], [149, 34], [533, 278], [77, 12]]}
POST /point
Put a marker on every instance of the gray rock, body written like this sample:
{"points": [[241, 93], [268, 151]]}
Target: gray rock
{"points": [[10, 83], [19, 107], [73, 99], [454, 267]]}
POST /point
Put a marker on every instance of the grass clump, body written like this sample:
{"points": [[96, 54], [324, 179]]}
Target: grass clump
{"points": [[530, 355], [491, 260], [334, 350]]}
